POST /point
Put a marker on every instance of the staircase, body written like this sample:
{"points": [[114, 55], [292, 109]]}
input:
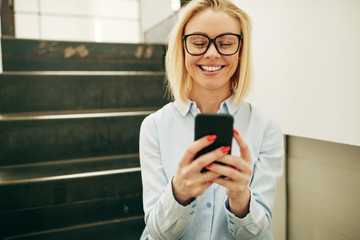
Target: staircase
{"points": [[70, 114]]}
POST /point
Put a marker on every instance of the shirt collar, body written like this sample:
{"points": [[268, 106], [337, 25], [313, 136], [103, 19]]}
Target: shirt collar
{"points": [[231, 105], [227, 106], [183, 108]]}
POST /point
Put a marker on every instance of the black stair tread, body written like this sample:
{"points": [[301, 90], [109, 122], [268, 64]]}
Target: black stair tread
{"points": [[68, 169], [116, 229], [71, 215], [85, 73], [29, 64], [27, 54], [70, 137], [29, 92], [96, 50], [75, 114], [57, 192]]}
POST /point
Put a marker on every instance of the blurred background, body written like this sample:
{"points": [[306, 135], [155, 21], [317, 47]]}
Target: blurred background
{"points": [[78, 77]]}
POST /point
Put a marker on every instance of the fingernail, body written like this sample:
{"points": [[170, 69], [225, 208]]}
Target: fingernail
{"points": [[211, 138], [225, 149], [236, 132], [208, 166]]}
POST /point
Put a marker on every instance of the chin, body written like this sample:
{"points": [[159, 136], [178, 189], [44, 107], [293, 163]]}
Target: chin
{"points": [[212, 87]]}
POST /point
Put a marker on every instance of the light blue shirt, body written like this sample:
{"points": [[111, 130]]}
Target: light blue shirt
{"points": [[164, 137]]}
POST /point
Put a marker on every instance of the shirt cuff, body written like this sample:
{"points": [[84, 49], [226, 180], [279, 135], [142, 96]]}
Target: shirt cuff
{"points": [[174, 210], [250, 222]]}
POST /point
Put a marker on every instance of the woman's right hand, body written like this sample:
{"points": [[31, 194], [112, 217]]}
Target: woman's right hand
{"points": [[188, 181]]}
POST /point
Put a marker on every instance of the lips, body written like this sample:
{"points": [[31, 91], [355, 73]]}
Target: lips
{"points": [[210, 68]]}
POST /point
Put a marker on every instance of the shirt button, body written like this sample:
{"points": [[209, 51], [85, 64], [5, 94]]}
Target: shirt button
{"points": [[208, 204]]}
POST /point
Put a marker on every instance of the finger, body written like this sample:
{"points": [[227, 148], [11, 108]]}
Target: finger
{"points": [[195, 147], [223, 170], [231, 175], [236, 171], [210, 176], [244, 149], [236, 163], [223, 182], [234, 187], [207, 180], [208, 158], [231, 186]]}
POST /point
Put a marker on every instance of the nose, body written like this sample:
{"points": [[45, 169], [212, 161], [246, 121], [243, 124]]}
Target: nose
{"points": [[212, 51]]}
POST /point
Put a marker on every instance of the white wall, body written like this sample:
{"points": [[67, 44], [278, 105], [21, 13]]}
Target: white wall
{"points": [[154, 12], [80, 20], [306, 65]]}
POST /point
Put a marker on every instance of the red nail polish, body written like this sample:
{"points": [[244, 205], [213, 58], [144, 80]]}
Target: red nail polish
{"points": [[236, 132], [208, 166], [225, 149], [211, 138]]}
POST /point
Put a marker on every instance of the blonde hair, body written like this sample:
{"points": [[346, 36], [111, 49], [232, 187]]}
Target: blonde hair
{"points": [[177, 77]]}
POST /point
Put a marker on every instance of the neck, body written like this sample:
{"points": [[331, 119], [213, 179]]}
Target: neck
{"points": [[209, 101]]}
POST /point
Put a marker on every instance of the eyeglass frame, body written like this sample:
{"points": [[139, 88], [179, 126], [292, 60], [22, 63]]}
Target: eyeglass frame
{"points": [[212, 40]]}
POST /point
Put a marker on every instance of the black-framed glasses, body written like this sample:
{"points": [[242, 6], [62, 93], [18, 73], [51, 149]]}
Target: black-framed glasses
{"points": [[226, 44]]}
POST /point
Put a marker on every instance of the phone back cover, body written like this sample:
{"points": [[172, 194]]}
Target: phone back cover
{"points": [[220, 125]]}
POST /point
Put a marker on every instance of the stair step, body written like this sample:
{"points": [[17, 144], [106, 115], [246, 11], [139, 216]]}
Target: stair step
{"points": [[118, 229], [70, 115], [68, 190], [65, 169], [52, 195], [44, 138], [42, 55], [20, 222], [66, 91]]}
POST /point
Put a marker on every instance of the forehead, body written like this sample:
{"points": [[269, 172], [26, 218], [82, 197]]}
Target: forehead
{"points": [[212, 23]]}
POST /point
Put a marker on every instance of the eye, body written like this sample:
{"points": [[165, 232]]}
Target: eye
{"points": [[226, 41], [225, 44], [197, 41], [199, 44]]}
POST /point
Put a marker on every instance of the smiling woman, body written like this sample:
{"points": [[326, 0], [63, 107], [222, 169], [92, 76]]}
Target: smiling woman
{"points": [[208, 70], [212, 69], [180, 84]]}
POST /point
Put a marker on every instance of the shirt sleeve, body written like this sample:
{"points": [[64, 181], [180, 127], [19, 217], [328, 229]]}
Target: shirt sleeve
{"points": [[165, 218], [266, 174]]}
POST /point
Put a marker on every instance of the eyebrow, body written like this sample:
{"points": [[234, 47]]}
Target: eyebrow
{"points": [[203, 33], [199, 33]]}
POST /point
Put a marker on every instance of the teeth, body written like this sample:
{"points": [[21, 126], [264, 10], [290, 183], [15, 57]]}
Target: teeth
{"points": [[211, 68]]}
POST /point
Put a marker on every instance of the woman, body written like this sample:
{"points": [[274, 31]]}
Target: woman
{"points": [[209, 71]]}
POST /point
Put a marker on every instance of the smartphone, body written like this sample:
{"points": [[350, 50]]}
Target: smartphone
{"points": [[220, 125]]}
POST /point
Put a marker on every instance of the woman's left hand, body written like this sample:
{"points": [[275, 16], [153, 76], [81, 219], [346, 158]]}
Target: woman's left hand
{"points": [[237, 172]]}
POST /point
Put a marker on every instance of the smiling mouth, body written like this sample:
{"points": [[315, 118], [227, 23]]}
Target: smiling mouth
{"points": [[210, 68]]}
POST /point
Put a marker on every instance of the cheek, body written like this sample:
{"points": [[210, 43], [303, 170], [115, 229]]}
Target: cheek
{"points": [[235, 62], [187, 63], [190, 62]]}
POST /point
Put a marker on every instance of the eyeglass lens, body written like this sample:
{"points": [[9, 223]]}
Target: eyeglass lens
{"points": [[226, 44]]}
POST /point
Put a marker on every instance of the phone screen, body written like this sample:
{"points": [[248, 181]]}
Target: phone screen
{"points": [[220, 125]]}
